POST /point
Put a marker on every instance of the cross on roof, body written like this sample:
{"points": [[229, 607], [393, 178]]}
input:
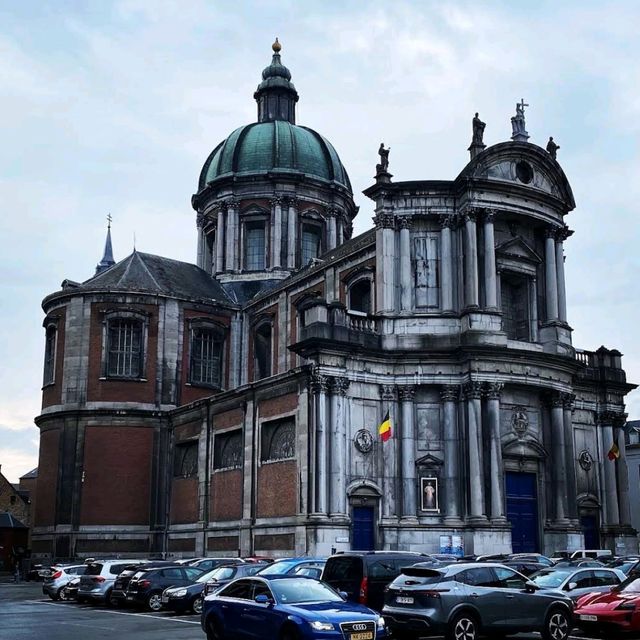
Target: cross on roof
{"points": [[109, 219]]}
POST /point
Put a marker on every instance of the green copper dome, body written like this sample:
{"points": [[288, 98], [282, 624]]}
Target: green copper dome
{"points": [[276, 146]]}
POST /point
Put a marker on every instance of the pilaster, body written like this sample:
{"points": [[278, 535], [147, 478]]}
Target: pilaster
{"points": [[408, 457], [493, 393], [451, 471], [406, 286], [473, 395]]}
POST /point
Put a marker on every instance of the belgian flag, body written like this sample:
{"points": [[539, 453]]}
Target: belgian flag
{"points": [[614, 452], [385, 428]]}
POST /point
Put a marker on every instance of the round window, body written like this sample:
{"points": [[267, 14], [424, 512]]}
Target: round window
{"points": [[524, 172]]}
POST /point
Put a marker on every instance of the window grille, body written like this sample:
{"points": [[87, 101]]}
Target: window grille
{"points": [[185, 460], [206, 357], [255, 246], [125, 348], [227, 450], [310, 244], [50, 355], [278, 440]]}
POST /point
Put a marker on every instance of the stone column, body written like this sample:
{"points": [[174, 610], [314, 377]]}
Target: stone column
{"points": [[292, 232], [622, 470], [568, 400], [385, 263], [491, 283], [389, 451], [446, 261], [451, 471], [551, 276], [231, 257], [497, 470], [201, 243], [470, 261], [533, 303], [473, 393], [331, 228], [561, 235], [558, 458], [276, 232], [406, 286], [320, 387], [220, 240], [409, 498], [338, 448]]}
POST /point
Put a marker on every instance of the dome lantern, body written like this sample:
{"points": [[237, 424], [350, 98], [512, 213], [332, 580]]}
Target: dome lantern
{"points": [[276, 95]]}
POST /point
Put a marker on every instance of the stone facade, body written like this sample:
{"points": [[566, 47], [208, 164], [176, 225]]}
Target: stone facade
{"points": [[450, 315]]}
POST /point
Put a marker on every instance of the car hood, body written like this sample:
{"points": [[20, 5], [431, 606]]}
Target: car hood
{"points": [[332, 611], [609, 601], [192, 589]]}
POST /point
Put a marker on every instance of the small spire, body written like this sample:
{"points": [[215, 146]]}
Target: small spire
{"points": [[276, 46], [107, 258]]}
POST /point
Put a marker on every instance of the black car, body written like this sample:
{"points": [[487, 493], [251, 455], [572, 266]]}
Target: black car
{"points": [[223, 575], [146, 586], [119, 591], [363, 575], [525, 567], [207, 564]]}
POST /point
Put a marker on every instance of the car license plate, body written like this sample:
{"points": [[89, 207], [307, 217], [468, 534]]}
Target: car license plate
{"points": [[365, 635], [404, 600], [589, 618], [129, 597], [165, 599]]}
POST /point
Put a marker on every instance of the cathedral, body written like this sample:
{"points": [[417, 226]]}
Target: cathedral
{"points": [[301, 391]]}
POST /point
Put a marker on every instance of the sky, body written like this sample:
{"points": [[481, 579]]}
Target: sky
{"points": [[113, 107]]}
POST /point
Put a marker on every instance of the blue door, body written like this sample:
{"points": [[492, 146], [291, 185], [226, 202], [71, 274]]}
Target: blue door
{"points": [[589, 525], [522, 511], [363, 539]]}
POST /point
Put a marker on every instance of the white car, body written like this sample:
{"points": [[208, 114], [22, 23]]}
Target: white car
{"points": [[58, 577]]}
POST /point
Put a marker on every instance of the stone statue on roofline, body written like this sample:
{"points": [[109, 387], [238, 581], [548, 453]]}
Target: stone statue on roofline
{"points": [[477, 143], [382, 168], [552, 148], [518, 123]]}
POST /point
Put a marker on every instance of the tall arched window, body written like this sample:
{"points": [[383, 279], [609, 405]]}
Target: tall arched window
{"points": [[359, 296], [50, 355], [205, 355], [311, 243], [262, 346], [255, 246]]}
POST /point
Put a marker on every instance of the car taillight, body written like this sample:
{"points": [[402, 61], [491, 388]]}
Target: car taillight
{"points": [[98, 579], [429, 593], [56, 575], [364, 591], [144, 583]]}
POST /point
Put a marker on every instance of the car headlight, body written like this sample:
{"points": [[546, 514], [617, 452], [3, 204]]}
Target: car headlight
{"points": [[318, 625], [627, 606], [180, 593], [381, 623]]}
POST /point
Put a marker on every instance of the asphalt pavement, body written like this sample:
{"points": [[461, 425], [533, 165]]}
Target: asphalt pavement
{"points": [[27, 614]]}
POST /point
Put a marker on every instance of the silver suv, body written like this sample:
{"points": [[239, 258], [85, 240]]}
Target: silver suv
{"points": [[464, 600], [96, 584], [58, 577]]}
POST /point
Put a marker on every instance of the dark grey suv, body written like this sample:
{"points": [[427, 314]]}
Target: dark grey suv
{"points": [[464, 600]]}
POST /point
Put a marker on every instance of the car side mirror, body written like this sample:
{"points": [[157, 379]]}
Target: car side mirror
{"points": [[531, 587], [344, 595], [262, 599], [571, 586]]}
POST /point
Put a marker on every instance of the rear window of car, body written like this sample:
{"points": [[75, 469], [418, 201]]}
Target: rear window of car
{"points": [[94, 569], [115, 569], [343, 568], [223, 573]]}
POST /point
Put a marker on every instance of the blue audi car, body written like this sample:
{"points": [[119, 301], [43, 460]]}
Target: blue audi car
{"points": [[286, 607]]}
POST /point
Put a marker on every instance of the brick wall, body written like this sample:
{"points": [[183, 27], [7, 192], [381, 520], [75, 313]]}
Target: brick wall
{"points": [[226, 495], [12, 502], [279, 405], [117, 474], [277, 489], [47, 485], [184, 500], [52, 393]]}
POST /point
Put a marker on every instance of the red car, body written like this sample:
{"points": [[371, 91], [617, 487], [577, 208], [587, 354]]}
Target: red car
{"points": [[605, 614]]}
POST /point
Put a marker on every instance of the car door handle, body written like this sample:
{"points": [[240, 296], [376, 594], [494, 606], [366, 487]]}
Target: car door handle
{"points": [[225, 606], [474, 595], [511, 597]]}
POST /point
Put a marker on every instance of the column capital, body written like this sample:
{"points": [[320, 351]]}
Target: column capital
{"points": [[568, 400], [388, 392], [384, 221], [555, 399], [405, 222], [330, 211], [469, 215], [339, 385], [232, 203], [406, 393], [489, 215], [563, 233], [276, 200], [200, 218], [450, 393], [551, 232], [447, 221], [293, 201], [319, 383], [473, 390], [493, 390]]}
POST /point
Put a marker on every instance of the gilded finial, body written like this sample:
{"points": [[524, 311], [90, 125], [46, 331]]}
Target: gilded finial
{"points": [[276, 46]]}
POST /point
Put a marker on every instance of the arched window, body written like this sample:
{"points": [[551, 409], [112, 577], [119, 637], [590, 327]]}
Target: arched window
{"points": [[205, 362], [227, 450], [185, 460], [262, 350], [359, 297], [278, 440], [124, 348], [255, 245], [311, 243], [50, 355]]}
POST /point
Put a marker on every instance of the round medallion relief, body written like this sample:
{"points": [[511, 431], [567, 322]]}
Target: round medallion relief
{"points": [[363, 441], [585, 460]]}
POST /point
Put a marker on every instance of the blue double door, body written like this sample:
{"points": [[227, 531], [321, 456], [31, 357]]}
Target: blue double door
{"points": [[363, 538], [522, 511]]}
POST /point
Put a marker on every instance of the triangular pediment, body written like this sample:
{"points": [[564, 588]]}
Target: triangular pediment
{"points": [[428, 461], [519, 249]]}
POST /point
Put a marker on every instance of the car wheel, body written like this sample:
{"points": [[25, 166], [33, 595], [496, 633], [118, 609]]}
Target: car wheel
{"points": [[557, 626], [196, 605], [62, 595], [214, 630], [154, 602], [463, 627], [109, 601]]}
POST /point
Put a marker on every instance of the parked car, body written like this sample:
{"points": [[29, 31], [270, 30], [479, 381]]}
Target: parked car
{"points": [[609, 614], [286, 566], [286, 607], [58, 577], [577, 562], [578, 582], [223, 575], [146, 586], [70, 590], [626, 565], [531, 557], [96, 584], [206, 564], [463, 600], [363, 575], [121, 584], [525, 567], [600, 554], [445, 557]]}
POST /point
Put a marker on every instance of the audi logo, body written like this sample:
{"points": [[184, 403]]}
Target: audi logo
{"points": [[359, 626]]}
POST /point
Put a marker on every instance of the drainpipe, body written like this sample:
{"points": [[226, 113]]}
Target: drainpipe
{"points": [[207, 481], [254, 470]]}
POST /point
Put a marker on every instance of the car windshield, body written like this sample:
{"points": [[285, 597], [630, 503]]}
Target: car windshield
{"points": [[550, 579], [219, 574], [561, 554], [631, 585], [297, 590], [278, 568], [94, 570]]}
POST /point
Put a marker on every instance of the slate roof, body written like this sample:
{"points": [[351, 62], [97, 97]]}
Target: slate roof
{"points": [[148, 273], [30, 474], [7, 521]]}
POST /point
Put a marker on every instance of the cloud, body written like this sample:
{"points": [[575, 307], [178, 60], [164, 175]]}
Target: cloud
{"points": [[15, 463]]}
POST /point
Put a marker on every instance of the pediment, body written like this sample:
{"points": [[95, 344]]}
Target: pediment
{"points": [[517, 248], [527, 447], [429, 461]]}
